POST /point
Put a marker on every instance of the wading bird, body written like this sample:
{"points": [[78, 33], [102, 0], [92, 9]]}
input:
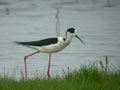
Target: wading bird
{"points": [[49, 46]]}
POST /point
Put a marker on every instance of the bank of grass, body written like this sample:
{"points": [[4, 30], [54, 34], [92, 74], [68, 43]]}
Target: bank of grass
{"points": [[86, 78]]}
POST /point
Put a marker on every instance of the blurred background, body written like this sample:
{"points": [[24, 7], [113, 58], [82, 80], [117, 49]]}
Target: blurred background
{"points": [[97, 23]]}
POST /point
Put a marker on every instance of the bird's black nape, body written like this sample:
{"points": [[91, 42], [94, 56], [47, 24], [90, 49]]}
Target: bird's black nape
{"points": [[71, 30]]}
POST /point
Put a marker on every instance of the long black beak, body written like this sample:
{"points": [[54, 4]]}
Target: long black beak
{"points": [[80, 39]]}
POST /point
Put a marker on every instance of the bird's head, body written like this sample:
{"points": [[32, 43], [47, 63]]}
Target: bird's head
{"points": [[72, 32]]}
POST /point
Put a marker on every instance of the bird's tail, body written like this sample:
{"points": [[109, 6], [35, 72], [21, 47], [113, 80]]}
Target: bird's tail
{"points": [[16, 42]]}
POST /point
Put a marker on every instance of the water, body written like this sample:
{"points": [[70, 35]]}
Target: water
{"points": [[29, 20]]}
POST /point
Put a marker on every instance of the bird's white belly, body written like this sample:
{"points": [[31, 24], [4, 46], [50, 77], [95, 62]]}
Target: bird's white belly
{"points": [[50, 48]]}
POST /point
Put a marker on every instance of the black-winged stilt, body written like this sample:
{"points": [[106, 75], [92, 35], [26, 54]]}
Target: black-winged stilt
{"points": [[49, 45]]}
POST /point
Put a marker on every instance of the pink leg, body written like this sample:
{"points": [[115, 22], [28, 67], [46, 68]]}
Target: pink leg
{"points": [[48, 72], [26, 63]]}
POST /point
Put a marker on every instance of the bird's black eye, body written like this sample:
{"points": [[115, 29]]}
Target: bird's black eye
{"points": [[71, 30]]}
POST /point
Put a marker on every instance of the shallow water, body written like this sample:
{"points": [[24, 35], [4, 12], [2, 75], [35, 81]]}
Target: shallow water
{"points": [[29, 20]]}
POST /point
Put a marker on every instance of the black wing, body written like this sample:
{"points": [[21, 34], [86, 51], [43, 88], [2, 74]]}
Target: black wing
{"points": [[43, 42]]}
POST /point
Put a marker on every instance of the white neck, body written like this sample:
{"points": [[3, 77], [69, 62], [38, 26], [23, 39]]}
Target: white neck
{"points": [[68, 39]]}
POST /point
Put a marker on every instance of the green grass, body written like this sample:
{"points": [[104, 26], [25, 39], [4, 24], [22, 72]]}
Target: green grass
{"points": [[86, 78]]}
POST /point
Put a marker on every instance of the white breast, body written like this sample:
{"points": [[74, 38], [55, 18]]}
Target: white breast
{"points": [[52, 48]]}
